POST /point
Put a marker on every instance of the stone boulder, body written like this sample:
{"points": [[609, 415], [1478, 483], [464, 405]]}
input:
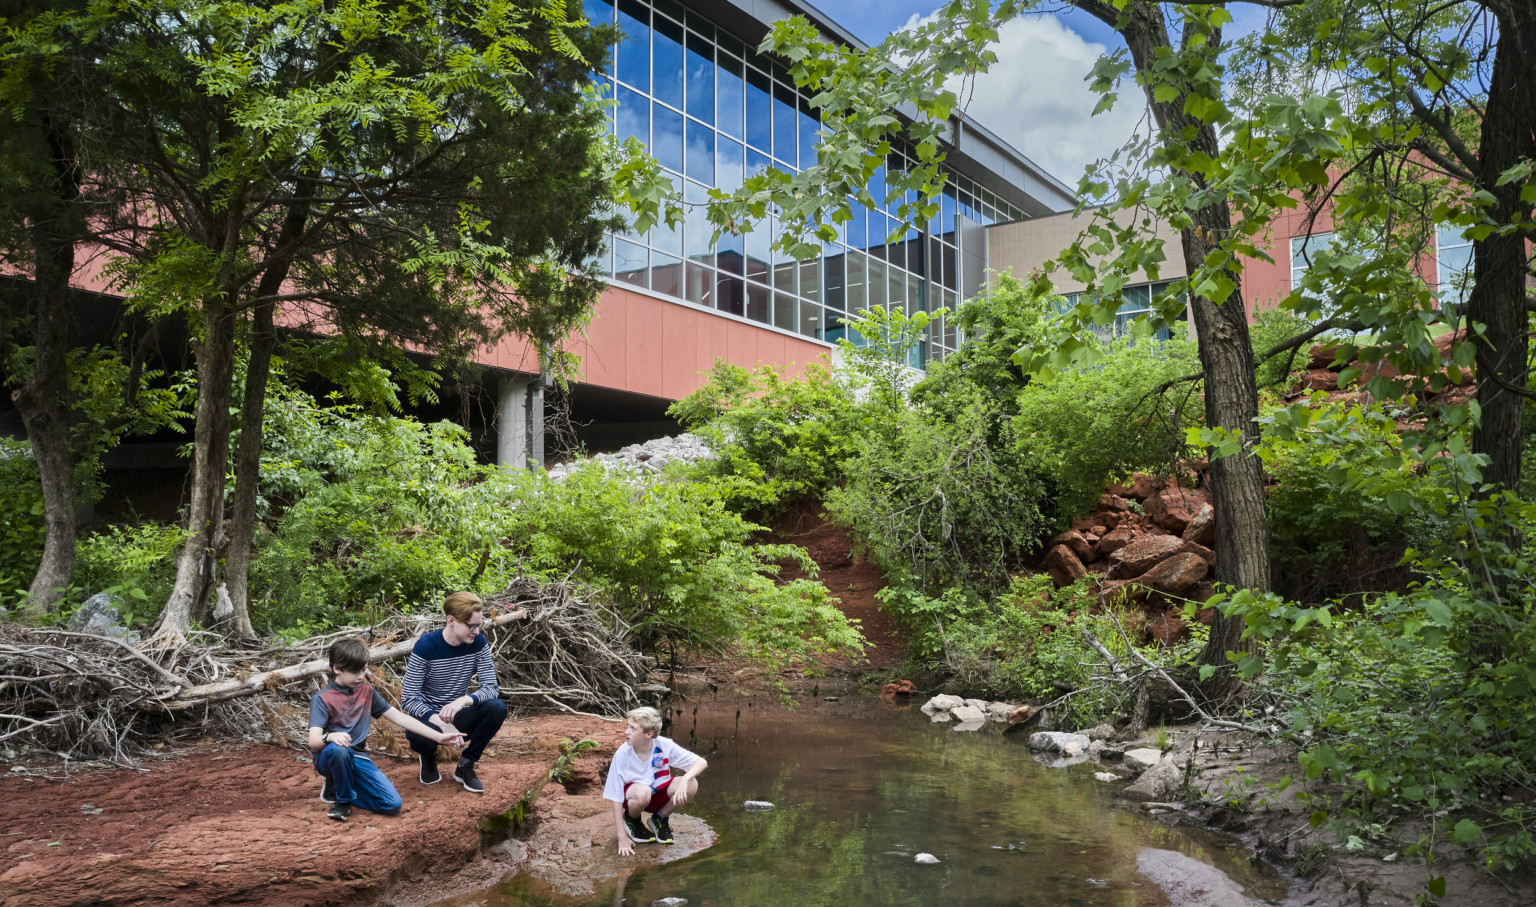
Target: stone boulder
{"points": [[1166, 629], [1141, 486], [99, 616], [1021, 714], [898, 688], [999, 711], [1114, 541], [968, 714], [1160, 782], [1202, 529], [1142, 555], [1064, 567], [1113, 503], [1177, 575], [1100, 732], [1077, 542], [1174, 508], [943, 703], [1059, 742], [1142, 758]]}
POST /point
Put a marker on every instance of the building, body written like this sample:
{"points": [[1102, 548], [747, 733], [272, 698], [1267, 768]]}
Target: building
{"points": [[688, 83]]}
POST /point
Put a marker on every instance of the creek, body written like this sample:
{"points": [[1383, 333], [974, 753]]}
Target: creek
{"points": [[861, 787]]}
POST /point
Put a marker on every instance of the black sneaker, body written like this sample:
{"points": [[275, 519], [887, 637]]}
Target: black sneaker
{"points": [[328, 791], [663, 829], [429, 772], [465, 775], [339, 811], [638, 830]]}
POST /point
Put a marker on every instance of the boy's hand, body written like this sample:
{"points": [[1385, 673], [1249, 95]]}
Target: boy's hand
{"points": [[453, 708], [679, 794], [340, 738], [626, 846], [454, 738]]}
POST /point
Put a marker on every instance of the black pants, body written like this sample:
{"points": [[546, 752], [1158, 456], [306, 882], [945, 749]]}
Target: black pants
{"points": [[479, 722]]}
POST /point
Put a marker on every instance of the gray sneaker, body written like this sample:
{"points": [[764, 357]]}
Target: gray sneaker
{"points": [[339, 811], [465, 775]]}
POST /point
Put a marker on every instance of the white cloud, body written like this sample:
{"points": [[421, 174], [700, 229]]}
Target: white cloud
{"points": [[1035, 97]]}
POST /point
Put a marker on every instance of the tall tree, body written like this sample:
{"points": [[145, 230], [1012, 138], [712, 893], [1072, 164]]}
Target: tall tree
{"points": [[418, 176]]}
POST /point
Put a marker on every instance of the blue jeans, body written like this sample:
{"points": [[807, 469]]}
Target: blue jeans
{"points": [[356, 779]]}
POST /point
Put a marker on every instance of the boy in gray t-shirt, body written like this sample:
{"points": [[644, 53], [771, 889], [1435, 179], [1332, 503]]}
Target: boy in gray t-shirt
{"points": [[339, 718]]}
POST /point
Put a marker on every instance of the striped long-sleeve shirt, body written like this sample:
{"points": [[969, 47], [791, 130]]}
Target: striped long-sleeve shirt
{"points": [[439, 673]]}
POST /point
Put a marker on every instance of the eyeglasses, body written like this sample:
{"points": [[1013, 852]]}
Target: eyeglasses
{"points": [[476, 626]]}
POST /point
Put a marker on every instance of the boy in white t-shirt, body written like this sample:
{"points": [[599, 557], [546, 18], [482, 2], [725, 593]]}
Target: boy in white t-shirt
{"points": [[640, 780]]}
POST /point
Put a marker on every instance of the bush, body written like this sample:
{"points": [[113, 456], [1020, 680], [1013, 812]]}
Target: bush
{"points": [[783, 439], [22, 523], [135, 563], [1085, 426], [938, 506]]}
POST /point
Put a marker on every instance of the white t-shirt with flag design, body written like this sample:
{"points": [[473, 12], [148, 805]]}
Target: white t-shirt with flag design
{"points": [[654, 771]]}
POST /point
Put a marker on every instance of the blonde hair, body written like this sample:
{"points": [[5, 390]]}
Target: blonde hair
{"points": [[646, 718], [462, 605]]}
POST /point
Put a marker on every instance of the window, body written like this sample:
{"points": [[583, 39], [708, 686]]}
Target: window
{"points": [[1453, 262], [1303, 248]]}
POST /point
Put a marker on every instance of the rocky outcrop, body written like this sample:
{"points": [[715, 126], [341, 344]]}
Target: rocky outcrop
{"points": [[645, 459]]}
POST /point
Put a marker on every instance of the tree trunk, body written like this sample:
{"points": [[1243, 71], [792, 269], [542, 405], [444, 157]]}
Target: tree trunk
{"points": [[1226, 352], [43, 399], [1501, 265], [242, 520], [196, 562]]}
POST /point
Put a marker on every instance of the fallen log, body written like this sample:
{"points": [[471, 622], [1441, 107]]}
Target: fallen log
{"points": [[224, 690]]}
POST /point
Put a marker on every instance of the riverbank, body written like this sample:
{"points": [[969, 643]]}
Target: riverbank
{"points": [[227, 823]]}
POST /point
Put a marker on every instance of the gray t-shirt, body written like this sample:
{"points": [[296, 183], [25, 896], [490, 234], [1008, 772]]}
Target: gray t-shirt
{"points": [[349, 709]]}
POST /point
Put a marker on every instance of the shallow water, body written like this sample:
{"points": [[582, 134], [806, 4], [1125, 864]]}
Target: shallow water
{"points": [[862, 788]]}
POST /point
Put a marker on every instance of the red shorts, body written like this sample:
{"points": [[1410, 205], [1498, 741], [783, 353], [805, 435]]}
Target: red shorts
{"points": [[659, 797]]}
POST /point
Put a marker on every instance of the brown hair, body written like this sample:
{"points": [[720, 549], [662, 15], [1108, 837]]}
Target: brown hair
{"points": [[462, 605], [348, 654]]}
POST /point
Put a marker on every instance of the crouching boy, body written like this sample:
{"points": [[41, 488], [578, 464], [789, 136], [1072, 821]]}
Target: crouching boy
{"points": [[339, 716], [640, 780]]}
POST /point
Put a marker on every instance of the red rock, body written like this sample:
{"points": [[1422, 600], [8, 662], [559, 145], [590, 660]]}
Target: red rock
{"points": [[1082, 525], [1099, 530], [898, 688], [1143, 554], [1317, 379], [1110, 520], [1202, 528], [1177, 575], [1021, 714], [1113, 503], [1204, 552], [1206, 616], [1114, 541], [1173, 508], [1079, 545], [1123, 592], [1063, 566], [1166, 629], [1141, 486], [1322, 356], [1202, 593]]}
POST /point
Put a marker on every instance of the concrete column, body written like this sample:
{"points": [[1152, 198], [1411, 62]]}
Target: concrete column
{"points": [[520, 422]]}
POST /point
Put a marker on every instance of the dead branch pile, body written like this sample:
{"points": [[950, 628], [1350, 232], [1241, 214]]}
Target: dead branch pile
{"points": [[93, 697]]}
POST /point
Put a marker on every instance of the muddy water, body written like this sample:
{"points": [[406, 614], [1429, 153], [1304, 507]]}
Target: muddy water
{"points": [[862, 788]]}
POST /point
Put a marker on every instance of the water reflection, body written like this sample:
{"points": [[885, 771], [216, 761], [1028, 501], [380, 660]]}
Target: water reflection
{"points": [[861, 790]]}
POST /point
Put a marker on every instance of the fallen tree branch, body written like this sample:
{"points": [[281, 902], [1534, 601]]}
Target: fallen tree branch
{"points": [[1204, 716], [224, 690]]}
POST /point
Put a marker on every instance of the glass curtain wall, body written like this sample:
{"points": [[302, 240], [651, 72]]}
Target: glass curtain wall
{"points": [[713, 112]]}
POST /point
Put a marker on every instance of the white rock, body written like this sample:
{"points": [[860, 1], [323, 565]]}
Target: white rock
{"points": [[1057, 742], [978, 704], [937, 717], [1143, 758], [968, 714], [969, 726], [757, 805], [669, 902], [1160, 782], [926, 858], [999, 711], [1106, 777], [943, 703]]}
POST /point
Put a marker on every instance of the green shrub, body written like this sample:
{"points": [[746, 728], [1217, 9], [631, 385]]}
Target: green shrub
{"points": [[938, 504], [135, 563], [783, 439], [1085, 426], [22, 523]]}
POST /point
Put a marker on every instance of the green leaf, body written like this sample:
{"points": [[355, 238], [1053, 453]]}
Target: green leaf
{"points": [[1436, 886], [1465, 832]]}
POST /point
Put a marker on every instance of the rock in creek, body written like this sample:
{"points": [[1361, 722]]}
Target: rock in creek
{"points": [[926, 858], [1142, 758], [1106, 777], [757, 805], [1160, 782], [942, 703], [670, 902], [968, 714], [1058, 742]]}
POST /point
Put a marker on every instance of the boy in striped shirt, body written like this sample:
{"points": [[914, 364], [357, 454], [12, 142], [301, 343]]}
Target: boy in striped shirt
{"points": [[436, 689], [640, 780]]}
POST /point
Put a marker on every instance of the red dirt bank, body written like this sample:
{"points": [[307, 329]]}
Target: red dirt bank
{"points": [[246, 825]]}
